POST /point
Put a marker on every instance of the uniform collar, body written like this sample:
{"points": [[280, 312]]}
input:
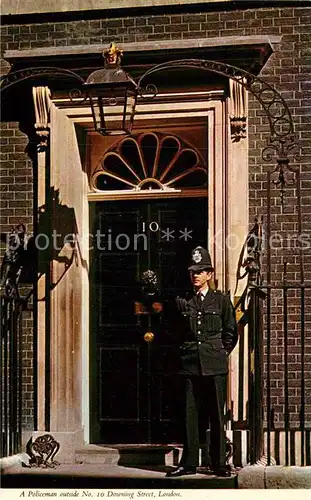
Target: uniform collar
{"points": [[203, 292]]}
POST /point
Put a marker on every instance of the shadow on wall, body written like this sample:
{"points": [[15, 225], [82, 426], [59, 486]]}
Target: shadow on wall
{"points": [[57, 238], [26, 259]]}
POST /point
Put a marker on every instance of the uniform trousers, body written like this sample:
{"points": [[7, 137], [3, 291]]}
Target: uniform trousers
{"points": [[205, 394]]}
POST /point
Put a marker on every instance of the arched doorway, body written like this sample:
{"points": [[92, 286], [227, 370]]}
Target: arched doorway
{"points": [[135, 386]]}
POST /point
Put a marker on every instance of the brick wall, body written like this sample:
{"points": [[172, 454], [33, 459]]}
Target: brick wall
{"points": [[16, 206], [288, 69], [16, 183]]}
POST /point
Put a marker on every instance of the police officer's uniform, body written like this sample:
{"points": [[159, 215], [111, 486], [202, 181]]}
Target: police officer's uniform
{"points": [[211, 335]]}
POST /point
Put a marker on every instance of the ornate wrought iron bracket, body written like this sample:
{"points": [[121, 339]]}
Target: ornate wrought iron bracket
{"points": [[281, 143], [249, 265], [282, 181], [13, 261], [7, 81], [230, 450]]}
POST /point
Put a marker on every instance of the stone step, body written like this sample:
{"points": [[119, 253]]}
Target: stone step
{"points": [[129, 454], [100, 476], [96, 454]]}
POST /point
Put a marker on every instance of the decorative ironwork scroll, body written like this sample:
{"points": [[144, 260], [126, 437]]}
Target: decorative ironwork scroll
{"points": [[21, 75], [281, 142], [42, 451], [13, 261], [230, 449], [249, 264]]}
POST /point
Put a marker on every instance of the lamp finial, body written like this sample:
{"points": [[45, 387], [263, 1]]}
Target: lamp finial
{"points": [[112, 56]]}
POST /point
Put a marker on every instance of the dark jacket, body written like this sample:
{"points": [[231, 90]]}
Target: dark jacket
{"points": [[210, 334]]}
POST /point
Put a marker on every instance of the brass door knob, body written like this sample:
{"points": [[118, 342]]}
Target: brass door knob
{"points": [[148, 337]]}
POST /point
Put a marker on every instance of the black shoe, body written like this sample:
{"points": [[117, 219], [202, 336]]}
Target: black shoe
{"points": [[222, 471], [181, 471]]}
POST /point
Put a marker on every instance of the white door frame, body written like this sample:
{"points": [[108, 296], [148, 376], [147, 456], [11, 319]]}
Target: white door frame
{"points": [[228, 213]]}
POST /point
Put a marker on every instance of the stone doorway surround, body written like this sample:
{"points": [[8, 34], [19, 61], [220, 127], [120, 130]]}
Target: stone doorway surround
{"points": [[69, 296]]}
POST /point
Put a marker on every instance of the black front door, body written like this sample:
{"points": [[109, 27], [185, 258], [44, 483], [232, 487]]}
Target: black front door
{"points": [[135, 390]]}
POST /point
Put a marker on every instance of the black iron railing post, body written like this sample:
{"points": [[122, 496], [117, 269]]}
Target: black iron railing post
{"points": [[259, 376], [20, 377], [269, 414], [6, 307], [302, 375], [251, 378], [286, 395], [256, 373], [2, 323], [11, 376], [253, 389], [2, 375], [263, 368]]}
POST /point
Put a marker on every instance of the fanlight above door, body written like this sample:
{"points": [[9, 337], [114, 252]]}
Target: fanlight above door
{"points": [[150, 161]]}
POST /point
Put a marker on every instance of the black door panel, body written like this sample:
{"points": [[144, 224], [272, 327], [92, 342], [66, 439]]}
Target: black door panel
{"points": [[135, 389]]}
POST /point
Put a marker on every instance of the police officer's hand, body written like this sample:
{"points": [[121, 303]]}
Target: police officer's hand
{"points": [[182, 305]]}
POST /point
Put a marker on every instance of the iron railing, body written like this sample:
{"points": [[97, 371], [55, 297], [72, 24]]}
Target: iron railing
{"points": [[280, 373], [11, 375]]}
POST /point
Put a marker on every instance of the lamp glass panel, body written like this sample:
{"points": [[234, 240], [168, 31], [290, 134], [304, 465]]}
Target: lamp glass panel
{"points": [[113, 110]]}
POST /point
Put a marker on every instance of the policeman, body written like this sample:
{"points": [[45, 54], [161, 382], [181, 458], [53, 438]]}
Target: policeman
{"points": [[211, 336]]}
